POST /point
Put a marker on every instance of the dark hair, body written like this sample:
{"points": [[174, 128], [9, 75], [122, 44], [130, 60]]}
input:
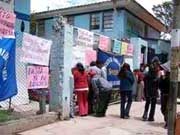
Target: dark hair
{"points": [[122, 73], [99, 64], [93, 63], [80, 67]]}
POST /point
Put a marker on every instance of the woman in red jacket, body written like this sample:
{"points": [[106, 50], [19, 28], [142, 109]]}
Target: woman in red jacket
{"points": [[81, 88]]}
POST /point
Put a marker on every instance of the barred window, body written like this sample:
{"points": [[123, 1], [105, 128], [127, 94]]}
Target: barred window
{"points": [[95, 21], [108, 20], [41, 28], [70, 20]]}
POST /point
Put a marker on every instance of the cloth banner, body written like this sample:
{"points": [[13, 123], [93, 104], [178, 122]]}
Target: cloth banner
{"points": [[8, 86], [130, 50], [85, 38], [124, 47], [7, 23], [90, 55], [113, 64], [104, 43], [117, 47], [35, 50], [37, 77]]}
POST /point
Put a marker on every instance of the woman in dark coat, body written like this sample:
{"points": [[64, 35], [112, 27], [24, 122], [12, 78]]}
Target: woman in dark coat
{"points": [[126, 87]]}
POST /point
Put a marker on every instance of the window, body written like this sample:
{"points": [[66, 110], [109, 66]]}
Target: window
{"points": [[41, 28], [108, 20], [70, 20], [95, 21]]}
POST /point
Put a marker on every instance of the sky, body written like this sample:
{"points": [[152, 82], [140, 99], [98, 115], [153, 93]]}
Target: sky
{"points": [[43, 5]]}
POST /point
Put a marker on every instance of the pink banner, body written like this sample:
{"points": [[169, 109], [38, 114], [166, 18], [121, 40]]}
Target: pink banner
{"points": [[104, 43], [130, 50], [7, 23], [90, 55], [37, 77]]}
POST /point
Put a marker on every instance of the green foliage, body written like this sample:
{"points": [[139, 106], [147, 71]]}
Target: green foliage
{"points": [[4, 115], [164, 12]]}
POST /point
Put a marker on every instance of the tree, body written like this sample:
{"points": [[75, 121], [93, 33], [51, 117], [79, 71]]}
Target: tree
{"points": [[164, 13]]}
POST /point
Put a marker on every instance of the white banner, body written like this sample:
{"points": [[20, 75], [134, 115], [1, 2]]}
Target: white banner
{"points": [[35, 50], [175, 40], [7, 5], [84, 38], [78, 56]]}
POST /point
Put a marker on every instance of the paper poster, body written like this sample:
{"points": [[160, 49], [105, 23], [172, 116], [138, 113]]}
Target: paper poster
{"points": [[78, 56], [84, 38], [35, 50], [7, 4], [104, 43], [117, 47], [7, 23], [130, 50], [37, 77], [175, 40], [90, 55], [124, 47]]}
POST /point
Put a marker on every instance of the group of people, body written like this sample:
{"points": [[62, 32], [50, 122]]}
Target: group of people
{"points": [[94, 91]]}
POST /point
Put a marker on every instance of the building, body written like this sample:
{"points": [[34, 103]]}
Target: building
{"points": [[129, 20]]}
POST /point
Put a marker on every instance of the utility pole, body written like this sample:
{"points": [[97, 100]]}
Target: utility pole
{"points": [[175, 59]]}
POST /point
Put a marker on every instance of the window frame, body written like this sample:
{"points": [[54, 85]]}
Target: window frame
{"points": [[96, 25]]}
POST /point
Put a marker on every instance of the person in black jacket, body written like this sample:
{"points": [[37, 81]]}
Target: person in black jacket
{"points": [[151, 92], [164, 86]]}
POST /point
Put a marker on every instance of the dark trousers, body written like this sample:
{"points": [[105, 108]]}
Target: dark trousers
{"points": [[150, 101], [164, 105], [126, 96], [102, 102]]}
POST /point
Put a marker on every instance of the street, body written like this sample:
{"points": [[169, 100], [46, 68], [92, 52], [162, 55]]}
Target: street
{"points": [[109, 125]]}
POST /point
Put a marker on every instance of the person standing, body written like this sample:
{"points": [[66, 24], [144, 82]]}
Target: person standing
{"points": [[127, 81], [151, 91], [164, 86], [81, 88]]}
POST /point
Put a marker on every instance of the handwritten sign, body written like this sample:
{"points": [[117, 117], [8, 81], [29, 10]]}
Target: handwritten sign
{"points": [[35, 50], [124, 47], [37, 77], [104, 43], [117, 46], [7, 4], [130, 50], [90, 55], [84, 38], [78, 55], [7, 23]]}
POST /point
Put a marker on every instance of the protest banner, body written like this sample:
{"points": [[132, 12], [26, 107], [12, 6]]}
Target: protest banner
{"points": [[84, 38], [37, 77], [124, 47], [113, 64], [7, 23], [35, 50], [8, 86], [104, 43], [78, 55], [7, 4], [117, 47], [130, 50], [90, 55]]}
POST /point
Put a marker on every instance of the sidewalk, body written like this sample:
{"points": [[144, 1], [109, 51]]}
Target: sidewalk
{"points": [[109, 125]]}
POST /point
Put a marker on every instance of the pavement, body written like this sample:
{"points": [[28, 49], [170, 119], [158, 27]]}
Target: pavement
{"points": [[112, 124]]}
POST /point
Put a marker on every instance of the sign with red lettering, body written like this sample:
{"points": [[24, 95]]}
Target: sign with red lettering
{"points": [[35, 50], [7, 23], [37, 77]]}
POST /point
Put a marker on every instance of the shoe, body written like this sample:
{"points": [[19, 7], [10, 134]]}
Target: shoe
{"points": [[144, 118], [122, 117], [126, 117], [151, 119]]}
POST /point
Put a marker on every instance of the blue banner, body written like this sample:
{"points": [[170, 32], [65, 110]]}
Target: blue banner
{"points": [[8, 86], [113, 64]]}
